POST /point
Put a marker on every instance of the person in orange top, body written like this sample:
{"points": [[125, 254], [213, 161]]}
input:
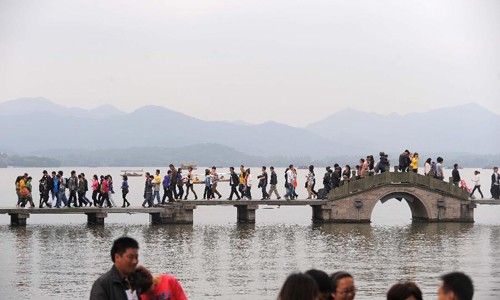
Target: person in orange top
{"points": [[157, 287]]}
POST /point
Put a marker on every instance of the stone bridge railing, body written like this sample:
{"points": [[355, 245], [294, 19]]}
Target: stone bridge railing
{"points": [[395, 178]]}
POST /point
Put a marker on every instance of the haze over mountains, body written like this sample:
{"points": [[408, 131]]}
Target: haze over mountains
{"points": [[39, 127]]}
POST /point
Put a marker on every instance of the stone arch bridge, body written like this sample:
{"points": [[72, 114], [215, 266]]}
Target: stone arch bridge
{"points": [[429, 199]]}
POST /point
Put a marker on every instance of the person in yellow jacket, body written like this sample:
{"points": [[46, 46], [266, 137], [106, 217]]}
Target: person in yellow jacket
{"points": [[241, 187], [23, 189], [414, 162]]}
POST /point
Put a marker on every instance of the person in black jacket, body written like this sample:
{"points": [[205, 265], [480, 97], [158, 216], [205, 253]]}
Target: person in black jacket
{"points": [[116, 284], [273, 182], [234, 181], [495, 184], [455, 175]]}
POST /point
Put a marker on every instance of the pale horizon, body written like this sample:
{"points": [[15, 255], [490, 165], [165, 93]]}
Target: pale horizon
{"points": [[289, 62]]}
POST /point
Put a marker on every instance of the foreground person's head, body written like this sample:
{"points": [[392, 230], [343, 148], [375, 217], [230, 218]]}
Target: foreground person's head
{"points": [[455, 286], [342, 286], [125, 255], [299, 286], [323, 282], [404, 291]]}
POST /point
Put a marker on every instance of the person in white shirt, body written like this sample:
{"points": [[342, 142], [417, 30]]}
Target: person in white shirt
{"points": [[477, 184]]}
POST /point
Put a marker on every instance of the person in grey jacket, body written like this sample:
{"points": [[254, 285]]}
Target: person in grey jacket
{"points": [[116, 284]]}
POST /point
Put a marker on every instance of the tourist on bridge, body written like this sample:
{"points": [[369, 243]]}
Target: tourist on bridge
{"points": [[414, 162], [62, 189], [29, 196], [362, 168], [190, 183], [44, 187], [167, 188], [55, 186], [495, 184], [404, 161], [157, 287], [456, 286], [336, 176], [125, 190], [156, 186], [477, 184], [404, 291], [215, 179], [289, 179], [273, 183], [383, 163], [439, 169], [455, 174], [327, 180], [310, 178], [234, 181], [95, 189], [346, 174], [81, 192], [72, 187], [207, 194], [117, 283], [263, 183], [248, 185], [105, 193], [241, 187], [428, 167], [299, 286], [342, 286], [371, 165], [173, 180], [180, 183]]}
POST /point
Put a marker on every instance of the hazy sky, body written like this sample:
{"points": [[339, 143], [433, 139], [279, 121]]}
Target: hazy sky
{"points": [[289, 61]]}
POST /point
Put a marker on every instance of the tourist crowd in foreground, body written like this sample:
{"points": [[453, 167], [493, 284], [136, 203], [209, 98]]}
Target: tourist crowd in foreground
{"points": [[57, 191], [126, 280]]}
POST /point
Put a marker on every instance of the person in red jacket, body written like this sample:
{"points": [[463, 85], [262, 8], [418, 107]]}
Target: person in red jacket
{"points": [[157, 287]]}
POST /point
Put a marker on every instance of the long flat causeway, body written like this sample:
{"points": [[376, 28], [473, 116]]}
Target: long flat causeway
{"points": [[156, 208]]}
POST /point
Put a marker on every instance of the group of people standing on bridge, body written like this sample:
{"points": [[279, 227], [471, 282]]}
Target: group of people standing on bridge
{"points": [[177, 186], [52, 189]]}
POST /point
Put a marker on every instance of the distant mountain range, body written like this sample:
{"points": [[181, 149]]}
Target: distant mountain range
{"points": [[36, 126]]}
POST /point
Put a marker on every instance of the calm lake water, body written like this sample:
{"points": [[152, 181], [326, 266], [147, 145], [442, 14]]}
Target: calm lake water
{"points": [[59, 257]]}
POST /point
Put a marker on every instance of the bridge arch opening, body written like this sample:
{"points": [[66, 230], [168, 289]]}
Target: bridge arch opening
{"points": [[398, 207]]}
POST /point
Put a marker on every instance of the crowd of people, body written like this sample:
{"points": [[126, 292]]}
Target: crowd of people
{"points": [[177, 186], [126, 280], [317, 285]]}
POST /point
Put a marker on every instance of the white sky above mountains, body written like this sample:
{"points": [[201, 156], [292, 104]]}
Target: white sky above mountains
{"points": [[293, 62]]}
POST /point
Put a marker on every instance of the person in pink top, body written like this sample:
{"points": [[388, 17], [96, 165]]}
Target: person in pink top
{"points": [[105, 192], [157, 287]]}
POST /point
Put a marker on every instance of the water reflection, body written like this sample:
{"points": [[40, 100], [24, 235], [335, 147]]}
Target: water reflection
{"points": [[235, 261]]}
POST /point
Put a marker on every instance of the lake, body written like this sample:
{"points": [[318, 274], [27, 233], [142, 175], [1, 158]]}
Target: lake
{"points": [[60, 256]]}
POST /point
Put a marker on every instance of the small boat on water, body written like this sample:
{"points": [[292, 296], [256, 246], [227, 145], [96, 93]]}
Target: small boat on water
{"points": [[132, 173], [185, 166]]}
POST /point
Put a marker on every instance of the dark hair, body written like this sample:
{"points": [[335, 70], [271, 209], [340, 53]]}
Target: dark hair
{"points": [[125, 177], [299, 286], [143, 280], [311, 168], [429, 160], [460, 284], [120, 246], [335, 278], [401, 291], [455, 166], [321, 279], [263, 167], [439, 159]]}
